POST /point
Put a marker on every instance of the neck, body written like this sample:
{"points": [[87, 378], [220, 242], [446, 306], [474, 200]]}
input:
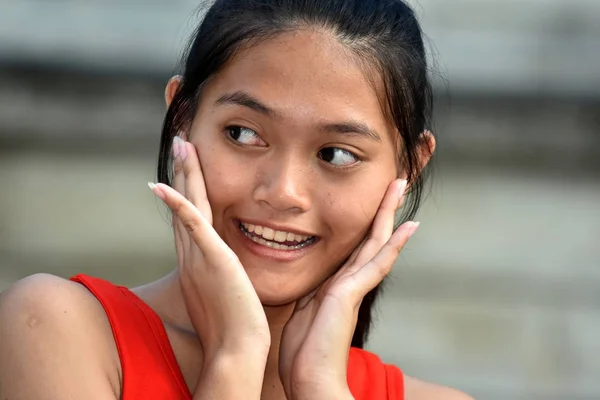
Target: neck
{"points": [[277, 317]]}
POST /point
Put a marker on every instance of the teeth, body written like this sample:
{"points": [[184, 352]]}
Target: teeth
{"points": [[280, 236], [274, 245], [268, 233], [275, 236]]}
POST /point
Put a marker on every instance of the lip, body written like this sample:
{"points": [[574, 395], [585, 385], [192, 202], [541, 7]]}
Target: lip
{"points": [[276, 227], [269, 252]]}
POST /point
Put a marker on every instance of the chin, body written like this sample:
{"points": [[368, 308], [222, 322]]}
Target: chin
{"points": [[275, 300], [275, 293]]}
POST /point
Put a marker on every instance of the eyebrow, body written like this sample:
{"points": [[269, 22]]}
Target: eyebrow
{"points": [[351, 128], [241, 98]]}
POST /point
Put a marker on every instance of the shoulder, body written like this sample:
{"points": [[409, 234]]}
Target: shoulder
{"points": [[366, 370], [52, 328], [48, 300], [415, 389]]}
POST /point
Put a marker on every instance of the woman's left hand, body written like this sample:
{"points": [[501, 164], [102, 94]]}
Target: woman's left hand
{"points": [[314, 350]]}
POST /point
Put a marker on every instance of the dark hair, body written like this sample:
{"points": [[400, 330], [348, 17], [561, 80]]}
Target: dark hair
{"points": [[383, 33]]}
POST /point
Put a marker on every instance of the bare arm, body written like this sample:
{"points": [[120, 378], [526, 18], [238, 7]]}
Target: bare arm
{"points": [[416, 389], [55, 343]]}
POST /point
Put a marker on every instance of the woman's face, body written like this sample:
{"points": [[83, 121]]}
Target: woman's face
{"points": [[296, 155]]}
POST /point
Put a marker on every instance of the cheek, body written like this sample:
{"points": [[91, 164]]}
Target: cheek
{"points": [[351, 212], [225, 180]]}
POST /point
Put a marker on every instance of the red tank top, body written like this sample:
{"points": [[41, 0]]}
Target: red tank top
{"points": [[150, 369]]}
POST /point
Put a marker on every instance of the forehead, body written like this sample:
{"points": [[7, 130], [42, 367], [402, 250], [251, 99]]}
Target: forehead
{"points": [[305, 75]]}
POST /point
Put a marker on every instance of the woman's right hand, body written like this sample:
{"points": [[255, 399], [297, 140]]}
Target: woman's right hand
{"points": [[222, 304]]}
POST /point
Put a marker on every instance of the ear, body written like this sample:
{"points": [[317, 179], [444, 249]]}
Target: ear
{"points": [[426, 148], [170, 91], [172, 88]]}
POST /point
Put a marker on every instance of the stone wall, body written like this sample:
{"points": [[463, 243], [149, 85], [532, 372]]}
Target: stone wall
{"points": [[497, 294]]}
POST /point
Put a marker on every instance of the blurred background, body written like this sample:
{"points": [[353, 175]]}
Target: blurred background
{"points": [[499, 292]]}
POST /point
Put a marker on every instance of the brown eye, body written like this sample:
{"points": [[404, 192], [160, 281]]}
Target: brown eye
{"points": [[244, 135], [337, 156]]}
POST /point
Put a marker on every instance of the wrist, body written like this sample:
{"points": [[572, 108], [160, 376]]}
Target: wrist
{"points": [[231, 375], [239, 350], [333, 393]]}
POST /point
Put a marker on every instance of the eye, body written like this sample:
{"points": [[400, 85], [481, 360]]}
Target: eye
{"points": [[338, 157], [244, 135]]}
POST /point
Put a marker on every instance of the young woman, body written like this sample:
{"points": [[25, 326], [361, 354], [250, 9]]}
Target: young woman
{"points": [[290, 141]]}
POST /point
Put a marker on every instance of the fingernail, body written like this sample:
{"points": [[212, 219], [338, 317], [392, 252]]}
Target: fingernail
{"points": [[401, 188], [156, 190], [413, 229], [182, 149], [175, 147]]}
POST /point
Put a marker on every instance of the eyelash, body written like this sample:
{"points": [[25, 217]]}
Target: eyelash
{"points": [[340, 150], [229, 129], [334, 150]]}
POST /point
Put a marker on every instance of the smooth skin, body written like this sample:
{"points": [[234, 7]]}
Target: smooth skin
{"points": [[243, 321]]}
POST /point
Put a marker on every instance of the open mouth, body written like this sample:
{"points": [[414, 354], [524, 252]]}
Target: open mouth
{"points": [[278, 240]]}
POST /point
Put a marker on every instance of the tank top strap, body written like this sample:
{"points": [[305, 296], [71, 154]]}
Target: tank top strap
{"points": [[148, 364], [370, 378]]}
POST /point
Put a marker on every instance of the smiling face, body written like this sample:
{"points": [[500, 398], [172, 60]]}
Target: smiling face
{"points": [[291, 138]]}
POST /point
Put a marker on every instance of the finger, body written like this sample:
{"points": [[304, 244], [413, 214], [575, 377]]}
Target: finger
{"points": [[195, 188], [396, 188], [178, 181], [179, 245], [383, 225], [196, 224], [188, 179], [181, 234], [373, 272], [356, 252]]}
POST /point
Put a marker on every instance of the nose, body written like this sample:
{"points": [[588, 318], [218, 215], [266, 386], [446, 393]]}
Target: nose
{"points": [[283, 185]]}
